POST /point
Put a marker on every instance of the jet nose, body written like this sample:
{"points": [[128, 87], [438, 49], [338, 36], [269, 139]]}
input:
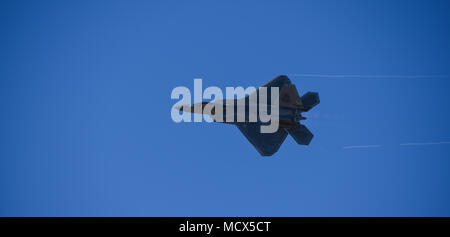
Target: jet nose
{"points": [[192, 108], [184, 107]]}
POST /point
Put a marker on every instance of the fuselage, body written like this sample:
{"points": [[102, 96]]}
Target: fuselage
{"points": [[237, 111]]}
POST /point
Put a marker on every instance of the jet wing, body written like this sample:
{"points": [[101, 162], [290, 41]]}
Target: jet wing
{"points": [[279, 81], [265, 143]]}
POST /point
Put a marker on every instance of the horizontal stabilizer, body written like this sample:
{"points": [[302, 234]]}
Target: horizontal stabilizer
{"points": [[301, 134], [310, 100]]}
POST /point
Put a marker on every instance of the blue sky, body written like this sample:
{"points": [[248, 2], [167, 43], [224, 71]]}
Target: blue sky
{"points": [[85, 108]]}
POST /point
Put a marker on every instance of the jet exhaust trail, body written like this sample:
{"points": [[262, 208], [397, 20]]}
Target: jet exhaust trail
{"points": [[361, 147], [366, 76], [424, 143]]}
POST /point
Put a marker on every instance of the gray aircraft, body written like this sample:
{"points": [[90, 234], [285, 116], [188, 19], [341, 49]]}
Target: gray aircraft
{"points": [[291, 105]]}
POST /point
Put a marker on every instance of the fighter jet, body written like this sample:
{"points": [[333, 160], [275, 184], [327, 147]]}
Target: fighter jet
{"points": [[291, 105]]}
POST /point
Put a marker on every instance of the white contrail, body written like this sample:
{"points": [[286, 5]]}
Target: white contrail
{"points": [[423, 143], [401, 144], [368, 76], [361, 147]]}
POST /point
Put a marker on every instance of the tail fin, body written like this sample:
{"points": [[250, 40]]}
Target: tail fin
{"points": [[301, 135], [310, 100]]}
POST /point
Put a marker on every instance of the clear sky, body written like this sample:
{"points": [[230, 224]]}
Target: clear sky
{"points": [[85, 108]]}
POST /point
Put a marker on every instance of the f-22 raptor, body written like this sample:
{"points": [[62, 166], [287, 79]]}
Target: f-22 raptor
{"points": [[291, 105]]}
